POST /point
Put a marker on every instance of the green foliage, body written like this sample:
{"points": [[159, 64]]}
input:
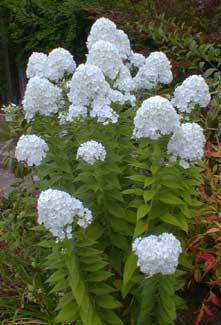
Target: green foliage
{"points": [[24, 293]]}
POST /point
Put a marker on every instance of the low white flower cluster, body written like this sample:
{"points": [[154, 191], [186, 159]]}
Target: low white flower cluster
{"points": [[154, 118], [105, 30], [41, 96], [157, 69], [32, 149], [157, 254], [193, 91], [91, 151], [187, 144], [57, 210], [52, 67]]}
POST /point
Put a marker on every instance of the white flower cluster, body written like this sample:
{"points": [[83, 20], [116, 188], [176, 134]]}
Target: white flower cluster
{"points": [[32, 149], [53, 67], [157, 69], [154, 118], [91, 151], [60, 61], [105, 30], [193, 91], [105, 55], [37, 65], [187, 144], [57, 210], [89, 89], [137, 59], [124, 81], [157, 254], [41, 96]]}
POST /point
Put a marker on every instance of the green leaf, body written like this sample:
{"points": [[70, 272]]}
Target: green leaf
{"points": [[99, 276], [135, 191], [96, 266], [179, 220], [107, 301], [137, 178], [69, 313], [141, 227], [117, 210], [57, 276], [142, 211], [170, 198], [111, 318], [130, 267], [148, 181], [101, 289], [148, 195]]}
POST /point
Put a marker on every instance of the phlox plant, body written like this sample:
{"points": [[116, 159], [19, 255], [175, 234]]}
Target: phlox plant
{"points": [[118, 163]]}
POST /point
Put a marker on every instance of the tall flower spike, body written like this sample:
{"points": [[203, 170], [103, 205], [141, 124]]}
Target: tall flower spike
{"points": [[187, 144], [193, 91], [32, 149], [105, 30], [157, 69], [154, 118], [157, 254], [57, 210], [41, 96]]}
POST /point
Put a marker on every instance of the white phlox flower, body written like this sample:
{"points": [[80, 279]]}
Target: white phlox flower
{"points": [[157, 69], [91, 151], [57, 210], [105, 30], [89, 89], [187, 144], [32, 149], [37, 65], [41, 96], [60, 61], [154, 118], [137, 59], [193, 91], [105, 55], [124, 81], [157, 254]]}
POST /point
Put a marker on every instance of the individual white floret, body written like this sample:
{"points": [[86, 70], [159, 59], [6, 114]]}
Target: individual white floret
{"points": [[157, 69], [60, 61], [41, 96], [137, 59], [91, 151], [187, 144], [32, 149], [193, 91], [37, 65], [57, 210], [105, 30], [157, 254], [105, 55], [154, 118]]}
